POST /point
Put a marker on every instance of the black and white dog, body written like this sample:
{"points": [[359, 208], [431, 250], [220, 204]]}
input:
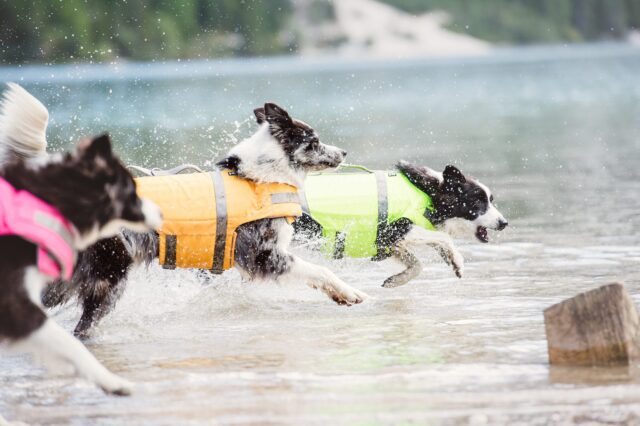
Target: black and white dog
{"points": [[283, 150], [93, 192], [462, 206]]}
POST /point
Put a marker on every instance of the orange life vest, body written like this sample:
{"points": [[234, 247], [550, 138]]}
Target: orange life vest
{"points": [[201, 212]]}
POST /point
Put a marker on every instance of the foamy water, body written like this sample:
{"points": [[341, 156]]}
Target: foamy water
{"points": [[560, 153]]}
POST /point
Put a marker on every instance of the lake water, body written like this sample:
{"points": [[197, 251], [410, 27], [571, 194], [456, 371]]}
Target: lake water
{"points": [[555, 132]]}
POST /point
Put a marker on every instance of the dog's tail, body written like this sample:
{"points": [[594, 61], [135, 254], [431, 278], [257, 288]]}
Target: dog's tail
{"points": [[23, 124]]}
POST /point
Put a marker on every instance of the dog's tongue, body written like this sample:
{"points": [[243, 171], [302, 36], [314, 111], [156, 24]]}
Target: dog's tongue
{"points": [[481, 234]]}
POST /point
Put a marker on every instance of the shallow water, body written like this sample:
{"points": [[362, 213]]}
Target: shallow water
{"points": [[554, 132]]}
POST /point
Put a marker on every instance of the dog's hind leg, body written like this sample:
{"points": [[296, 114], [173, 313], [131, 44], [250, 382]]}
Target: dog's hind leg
{"points": [[413, 267], [97, 301], [101, 278]]}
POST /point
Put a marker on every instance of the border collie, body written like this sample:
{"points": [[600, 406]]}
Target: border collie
{"points": [[283, 150], [461, 205], [91, 192]]}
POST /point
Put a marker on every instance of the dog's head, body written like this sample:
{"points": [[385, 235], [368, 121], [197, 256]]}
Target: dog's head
{"points": [[298, 140], [457, 199], [99, 196]]}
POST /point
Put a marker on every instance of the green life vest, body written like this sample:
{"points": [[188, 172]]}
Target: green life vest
{"points": [[352, 207]]}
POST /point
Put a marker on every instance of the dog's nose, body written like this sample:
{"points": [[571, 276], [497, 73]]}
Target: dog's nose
{"points": [[502, 224], [344, 153]]}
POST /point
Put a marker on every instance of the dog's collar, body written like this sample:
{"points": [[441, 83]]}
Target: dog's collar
{"points": [[27, 216]]}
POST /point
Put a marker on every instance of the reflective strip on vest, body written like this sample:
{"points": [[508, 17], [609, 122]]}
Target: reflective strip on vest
{"points": [[383, 204], [221, 223], [54, 225]]}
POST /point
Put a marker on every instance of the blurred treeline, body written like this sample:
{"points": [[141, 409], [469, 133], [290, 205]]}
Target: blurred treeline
{"points": [[68, 30], [535, 21], [99, 30]]}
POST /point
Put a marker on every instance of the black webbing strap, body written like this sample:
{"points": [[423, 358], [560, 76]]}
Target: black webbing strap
{"points": [[170, 242], [221, 222], [383, 203], [338, 249], [304, 204]]}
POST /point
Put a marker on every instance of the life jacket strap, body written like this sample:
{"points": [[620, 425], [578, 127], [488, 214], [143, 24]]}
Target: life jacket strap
{"points": [[304, 204], [160, 172], [171, 246], [285, 198], [383, 204], [49, 260], [338, 250], [221, 222]]}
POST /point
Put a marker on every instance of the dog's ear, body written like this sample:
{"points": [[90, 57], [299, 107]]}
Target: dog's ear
{"points": [[260, 115], [420, 177], [231, 163], [452, 176], [276, 115], [97, 147]]}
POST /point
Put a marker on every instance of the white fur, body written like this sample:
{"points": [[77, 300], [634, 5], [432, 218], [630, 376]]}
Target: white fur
{"points": [[264, 160], [152, 214], [492, 217], [458, 227], [23, 124], [54, 345]]}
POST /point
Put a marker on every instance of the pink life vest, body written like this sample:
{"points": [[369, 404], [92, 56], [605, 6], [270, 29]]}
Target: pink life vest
{"points": [[24, 215]]}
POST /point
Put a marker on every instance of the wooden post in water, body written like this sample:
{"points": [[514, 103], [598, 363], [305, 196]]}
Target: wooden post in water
{"points": [[598, 327]]}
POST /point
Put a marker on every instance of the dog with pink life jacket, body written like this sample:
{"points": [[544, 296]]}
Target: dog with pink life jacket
{"points": [[51, 207]]}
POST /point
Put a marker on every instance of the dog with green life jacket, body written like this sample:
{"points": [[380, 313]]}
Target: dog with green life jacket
{"points": [[380, 214]]}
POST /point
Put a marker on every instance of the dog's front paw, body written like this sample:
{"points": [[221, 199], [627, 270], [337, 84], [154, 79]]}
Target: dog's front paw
{"points": [[344, 294], [115, 385], [396, 280]]}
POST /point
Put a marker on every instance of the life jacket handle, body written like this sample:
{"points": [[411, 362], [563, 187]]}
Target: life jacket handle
{"points": [[354, 166], [160, 172]]}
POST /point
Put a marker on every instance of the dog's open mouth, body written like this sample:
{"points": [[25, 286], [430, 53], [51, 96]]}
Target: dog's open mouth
{"points": [[482, 235]]}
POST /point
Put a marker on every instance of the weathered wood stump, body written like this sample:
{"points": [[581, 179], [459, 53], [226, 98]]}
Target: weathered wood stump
{"points": [[598, 327]]}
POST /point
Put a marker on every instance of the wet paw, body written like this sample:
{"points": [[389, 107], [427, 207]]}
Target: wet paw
{"points": [[395, 281], [117, 386], [346, 295]]}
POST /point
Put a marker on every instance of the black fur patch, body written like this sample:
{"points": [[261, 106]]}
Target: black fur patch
{"points": [[420, 177], [89, 187], [257, 250], [229, 163], [19, 316]]}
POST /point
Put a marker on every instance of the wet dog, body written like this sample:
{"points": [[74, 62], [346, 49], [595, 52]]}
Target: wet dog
{"points": [[50, 207], [283, 150], [447, 204]]}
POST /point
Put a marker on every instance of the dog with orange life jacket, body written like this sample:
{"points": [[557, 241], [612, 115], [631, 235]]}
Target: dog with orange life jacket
{"points": [[238, 216]]}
